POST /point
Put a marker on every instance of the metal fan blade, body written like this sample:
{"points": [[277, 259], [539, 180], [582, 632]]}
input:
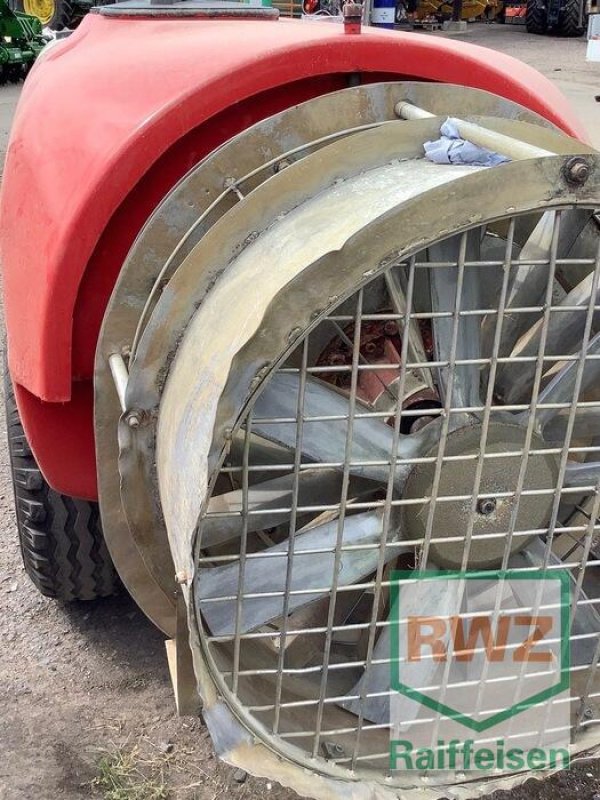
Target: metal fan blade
{"points": [[316, 487], [526, 288], [265, 574], [528, 282], [443, 285], [582, 474], [325, 440], [416, 348], [432, 597], [561, 387], [586, 618], [578, 238], [586, 425], [564, 334]]}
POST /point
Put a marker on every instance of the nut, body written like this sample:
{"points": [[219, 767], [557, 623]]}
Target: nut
{"points": [[133, 419], [486, 506], [577, 171]]}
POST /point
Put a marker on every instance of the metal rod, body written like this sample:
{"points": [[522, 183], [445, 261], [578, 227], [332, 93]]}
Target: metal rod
{"points": [[483, 137], [120, 375]]}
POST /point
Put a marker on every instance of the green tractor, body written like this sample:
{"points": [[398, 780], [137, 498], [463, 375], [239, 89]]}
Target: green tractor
{"points": [[54, 14], [21, 40], [57, 15], [558, 17]]}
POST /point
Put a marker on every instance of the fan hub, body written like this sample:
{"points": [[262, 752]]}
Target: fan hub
{"points": [[499, 506]]}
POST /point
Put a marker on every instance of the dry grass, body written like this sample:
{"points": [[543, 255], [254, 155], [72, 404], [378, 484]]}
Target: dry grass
{"points": [[122, 775], [149, 769]]}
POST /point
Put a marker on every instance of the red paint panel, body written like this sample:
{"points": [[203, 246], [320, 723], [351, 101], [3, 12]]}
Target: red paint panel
{"points": [[61, 436]]}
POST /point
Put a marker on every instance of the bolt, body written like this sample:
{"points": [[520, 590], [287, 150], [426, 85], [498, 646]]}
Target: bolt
{"points": [[486, 506], [133, 419], [577, 171], [283, 164], [588, 713], [333, 749], [352, 17], [390, 328]]}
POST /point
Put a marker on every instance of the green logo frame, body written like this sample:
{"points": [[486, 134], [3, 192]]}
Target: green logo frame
{"points": [[562, 575]]}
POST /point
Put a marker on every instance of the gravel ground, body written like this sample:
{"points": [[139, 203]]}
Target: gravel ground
{"points": [[85, 691]]}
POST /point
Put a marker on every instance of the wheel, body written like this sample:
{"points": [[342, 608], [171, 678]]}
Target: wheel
{"points": [[54, 14], [569, 19], [61, 537], [536, 19]]}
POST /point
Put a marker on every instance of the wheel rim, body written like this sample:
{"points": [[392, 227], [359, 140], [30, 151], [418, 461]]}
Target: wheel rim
{"points": [[44, 10]]}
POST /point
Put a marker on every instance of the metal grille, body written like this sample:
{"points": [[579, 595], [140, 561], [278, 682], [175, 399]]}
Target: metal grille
{"points": [[445, 415]]}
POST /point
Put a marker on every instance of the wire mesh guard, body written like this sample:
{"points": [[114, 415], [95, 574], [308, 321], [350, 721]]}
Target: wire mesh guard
{"points": [[443, 416]]}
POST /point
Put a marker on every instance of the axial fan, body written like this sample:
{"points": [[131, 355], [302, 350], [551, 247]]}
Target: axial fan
{"points": [[400, 432], [405, 387]]}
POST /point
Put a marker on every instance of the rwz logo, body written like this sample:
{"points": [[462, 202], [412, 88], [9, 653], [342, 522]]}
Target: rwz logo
{"points": [[464, 636], [480, 652]]}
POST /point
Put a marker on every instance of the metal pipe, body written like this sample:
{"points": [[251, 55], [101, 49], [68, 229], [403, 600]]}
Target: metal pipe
{"points": [[120, 376], [409, 111], [483, 137]]}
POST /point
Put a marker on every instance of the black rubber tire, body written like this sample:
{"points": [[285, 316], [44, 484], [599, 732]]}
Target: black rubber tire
{"points": [[536, 19], [568, 19], [66, 14], [61, 539]]}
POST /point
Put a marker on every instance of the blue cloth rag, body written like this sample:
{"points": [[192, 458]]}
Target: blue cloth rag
{"points": [[451, 149]]}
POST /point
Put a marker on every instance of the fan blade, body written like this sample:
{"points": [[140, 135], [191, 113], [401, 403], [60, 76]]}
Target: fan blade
{"points": [[265, 573], [325, 441], [316, 487], [578, 238], [585, 426], [565, 331], [416, 348], [586, 618], [527, 287], [582, 474], [561, 387], [528, 282], [426, 598], [443, 286]]}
